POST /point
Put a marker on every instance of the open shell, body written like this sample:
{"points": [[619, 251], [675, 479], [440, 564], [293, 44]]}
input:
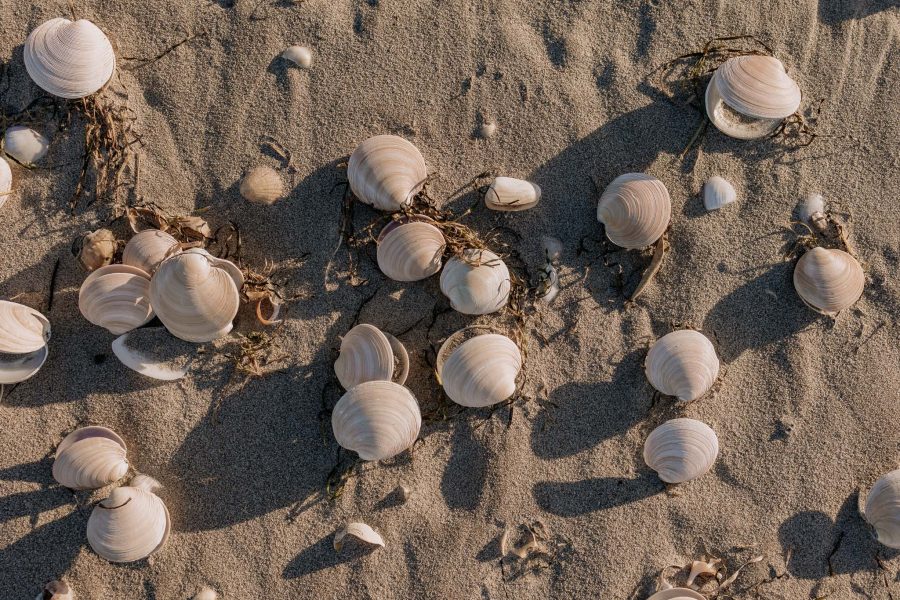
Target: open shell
{"points": [[153, 352], [299, 55], [196, 295], [368, 354], [377, 420], [410, 250], [677, 594], [635, 208], [749, 96], [360, 531], [90, 458], [883, 509], [682, 364], [263, 185], [69, 59], [116, 297], [717, 192], [386, 171], [508, 194], [828, 280], [5, 181], [681, 449], [131, 524], [25, 145], [97, 249], [476, 284], [480, 371], [147, 249]]}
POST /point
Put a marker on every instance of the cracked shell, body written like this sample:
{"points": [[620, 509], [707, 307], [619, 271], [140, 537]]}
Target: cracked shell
{"points": [[476, 284], [377, 420], [69, 59], [131, 524], [386, 171], [369, 354], [635, 209], [481, 371], [681, 449], [682, 364], [410, 250], [90, 458], [828, 280], [116, 297]]}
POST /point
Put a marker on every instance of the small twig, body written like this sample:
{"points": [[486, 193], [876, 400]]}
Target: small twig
{"points": [[52, 290], [143, 62]]}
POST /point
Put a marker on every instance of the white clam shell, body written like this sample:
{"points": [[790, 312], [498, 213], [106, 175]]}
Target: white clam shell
{"points": [[410, 250], [377, 420], [386, 171], [196, 295], [828, 280], [682, 364], [883, 509], [90, 458], [681, 449], [262, 185], [717, 192], [360, 531], [299, 55], [677, 594], [749, 96], [116, 297], [5, 181], [69, 59], [149, 351], [15, 368], [25, 145], [22, 328], [131, 524], [635, 208], [368, 354], [481, 371], [146, 249], [476, 284], [508, 194]]}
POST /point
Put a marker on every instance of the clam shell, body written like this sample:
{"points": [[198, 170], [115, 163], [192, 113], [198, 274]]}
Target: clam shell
{"points": [[131, 524], [97, 249], [22, 329], [57, 590], [386, 171], [828, 280], [749, 96], [681, 449], [717, 192], [368, 354], [206, 593], [677, 594], [481, 371], [69, 59], [25, 145], [508, 194], [476, 284], [299, 55], [15, 368], [263, 185], [153, 352], [360, 531], [376, 419], [5, 181], [116, 297], [682, 364], [883, 509], [90, 458], [148, 248], [635, 208], [410, 251], [196, 295]]}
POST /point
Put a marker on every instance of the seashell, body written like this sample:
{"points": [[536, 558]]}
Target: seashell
{"points": [[97, 249], [206, 593], [828, 280], [508, 194], [263, 185], [410, 250], [552, 247], [480, 371], [196, 295], [153, 352], [701, 568], [360, 531], [16, 368], [682, 364], [90, 458], [386, 171], [548, 283], [22, 328], [116, 297], [635, 208], [376, 419], [131, 524], [70, 59], [368, 354], [26, 146], [814, 204], [56, 590], [883, 509], [681, 449], [476, 284], [149, 248], [487, 130], [718, 192], [5, 181], [677, 594], [749, 96], [299, 55]]}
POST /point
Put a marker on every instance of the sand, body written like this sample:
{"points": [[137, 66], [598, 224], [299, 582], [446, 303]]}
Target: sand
{"points": [[805, 412]]}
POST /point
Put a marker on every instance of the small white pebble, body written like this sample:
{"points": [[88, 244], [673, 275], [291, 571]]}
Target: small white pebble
{"points": [[299, 55], [488, 129], [206, 593]]}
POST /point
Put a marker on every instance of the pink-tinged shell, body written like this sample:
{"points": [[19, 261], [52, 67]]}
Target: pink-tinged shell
{"points": [[410, 251], [682, 364], [635, 208], [828, 280], [376, 419], [386, 171], [681, 449], [116, 297]]}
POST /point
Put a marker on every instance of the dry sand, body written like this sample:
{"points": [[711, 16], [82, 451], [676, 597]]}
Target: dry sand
{"points": [[806, 412]]}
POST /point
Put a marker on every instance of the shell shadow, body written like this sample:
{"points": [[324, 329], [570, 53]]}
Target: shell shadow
{"points": [[835, 12], [576, 498], [465, 474]]}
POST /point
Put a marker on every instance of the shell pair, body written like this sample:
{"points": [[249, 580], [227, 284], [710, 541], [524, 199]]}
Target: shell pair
{"points": [[828, 280], [368, 354], [479, 371], [882, 510], [682, 364], [69, 59], [680, 450], [635, 209], [24, 333]]}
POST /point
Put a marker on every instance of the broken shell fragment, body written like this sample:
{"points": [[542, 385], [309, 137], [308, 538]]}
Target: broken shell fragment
{"points": [[717, 192], [299, 55], [883, 509], [153, 352], [360, 531], [811, 208], [25, 145], [552, 247], [262, 185], [386, 171], [116, 297], [69, 59], [480, 371], [681, 449], [701, 568], [90, 458], [828, 280], [487, 130], [677, 594], [682, 364], [56, 590], [368, 354], [148, 248], [131, 524], [477, 283], [5, 181], [410, 250], [376, 419], [97, 249], [206, 593], [635, 209], [508, 194]]}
